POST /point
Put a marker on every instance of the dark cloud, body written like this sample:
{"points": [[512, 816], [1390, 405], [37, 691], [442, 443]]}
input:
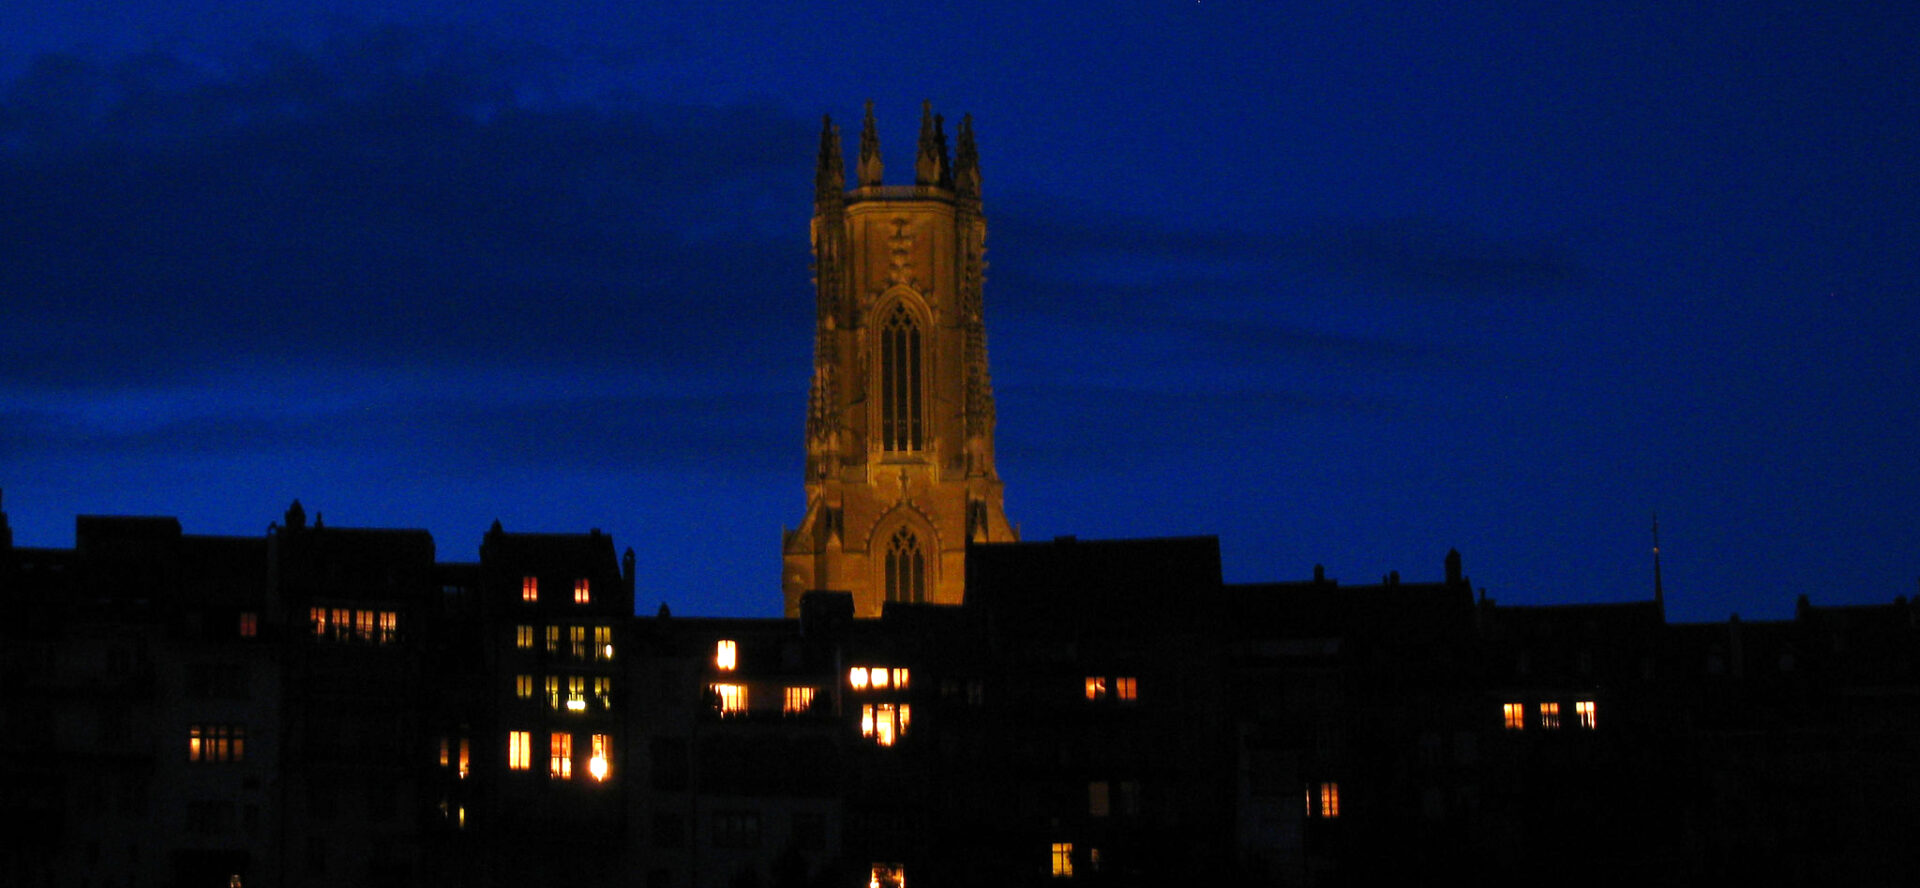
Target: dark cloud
{"points": [[394, 198], [459, 437]]}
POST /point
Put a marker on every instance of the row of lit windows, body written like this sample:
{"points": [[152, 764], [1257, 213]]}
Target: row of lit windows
{"points": [[217, 743], [574, 644], [1514, 715], [731, 699], [1124, 688], [342, 624], [580, 690], [530, 590], [884, 723], [560, 754], [861, 678]]}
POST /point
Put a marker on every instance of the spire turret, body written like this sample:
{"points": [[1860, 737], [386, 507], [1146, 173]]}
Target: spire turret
{"points": [[830, 174], [870, 165], [966, 172], [930, 164]]}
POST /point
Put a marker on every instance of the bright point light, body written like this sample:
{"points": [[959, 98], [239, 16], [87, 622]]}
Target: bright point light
{"points": [[597, 766]]}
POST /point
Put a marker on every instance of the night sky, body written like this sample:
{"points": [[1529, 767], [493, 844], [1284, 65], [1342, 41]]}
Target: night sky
{"points": [[1347, 283]]}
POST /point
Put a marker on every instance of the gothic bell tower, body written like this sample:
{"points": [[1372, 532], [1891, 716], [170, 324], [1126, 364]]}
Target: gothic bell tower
{"points": [[900, 472]]}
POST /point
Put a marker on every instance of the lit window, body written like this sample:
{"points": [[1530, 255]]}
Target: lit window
{"points": [[603, 691], [576, 693], [217, 743], [731, 699], [887, 875], [900, 679], [726, 655], [1323, 800], [878, 677], [1099, 799], [317, 618], [857, 677], [1126, 688], [1515, 714], [600, 764], [519, 750], [523, 637], [577, 636], [1096, 688], [249, 624], [885, 723], [1063, 860], [363, 625], [464, 761], [389, 627], [1549, 715], [553, 641], [553, 692], [798, 700], [603, 642], [1584, 709], [342, 624], [581, 593], [446, 756], [523, 686], [529, 589], [560, 756]]}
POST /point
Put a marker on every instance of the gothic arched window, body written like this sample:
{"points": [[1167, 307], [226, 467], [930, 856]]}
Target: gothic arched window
{"points": [[906, 568], [900, 393]]}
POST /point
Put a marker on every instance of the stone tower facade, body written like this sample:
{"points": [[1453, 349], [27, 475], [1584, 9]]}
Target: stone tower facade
{"points": [[900, 473]]}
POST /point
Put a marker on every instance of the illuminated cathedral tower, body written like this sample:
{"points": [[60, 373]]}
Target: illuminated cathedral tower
{"points": [[900, 472]]}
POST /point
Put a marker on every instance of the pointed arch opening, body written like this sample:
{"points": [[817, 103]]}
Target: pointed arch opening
{"points": [[906, 568], [902, 396]]}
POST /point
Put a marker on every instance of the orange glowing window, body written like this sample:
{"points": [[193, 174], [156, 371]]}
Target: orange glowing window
{"points": [[363, 629], [582, 593], [798, 700], [857, 678], [216, 743], [530, 589], [1096, 687], [900, 679], [600, 764], [464, 760], [726, 656], [560, 756], [887, 875], [878, 676], [520, 750], [1515, 715], [342, 624], [446, 757], [1126, 688], [884, 723], [317, 619], [389, 627], [1063, 860], [730, 699], [523, 687], [1583, 709], [249, 624], [1323, 800], [1549, 715], [523, 637]]}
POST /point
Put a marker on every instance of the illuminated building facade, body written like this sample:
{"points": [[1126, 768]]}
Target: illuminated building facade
{"points": [[900, 474]]}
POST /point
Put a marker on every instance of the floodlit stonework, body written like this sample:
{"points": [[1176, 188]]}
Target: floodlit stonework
{"points": [[899, 474]]}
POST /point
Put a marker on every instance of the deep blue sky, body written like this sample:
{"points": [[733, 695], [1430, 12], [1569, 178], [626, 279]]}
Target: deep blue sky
{"points": [[1342, 283]]}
